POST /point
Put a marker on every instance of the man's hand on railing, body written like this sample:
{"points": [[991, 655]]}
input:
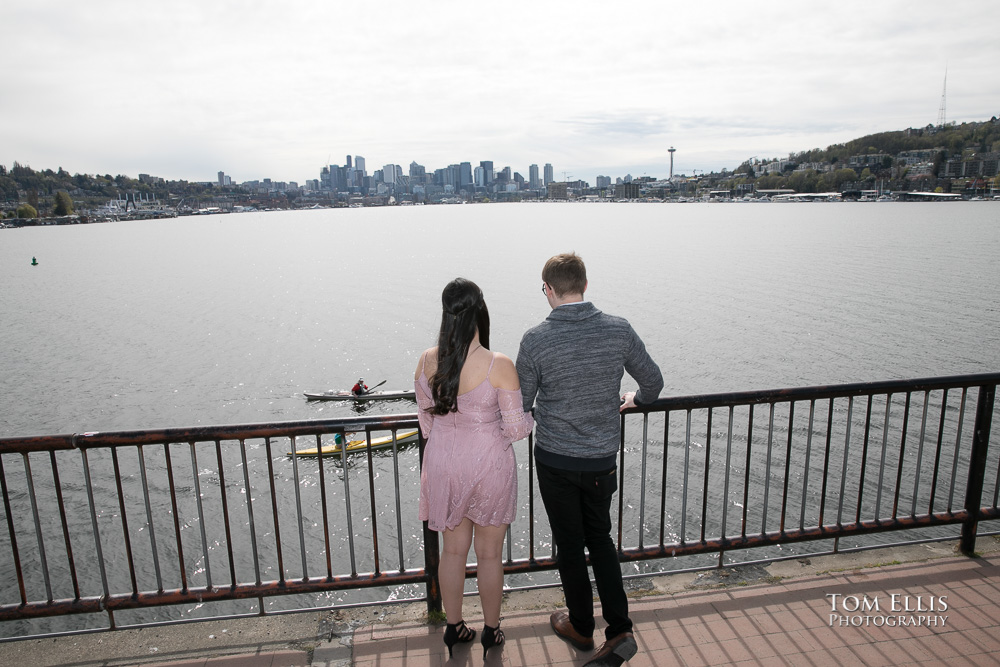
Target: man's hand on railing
{"points": [[628, 400]]}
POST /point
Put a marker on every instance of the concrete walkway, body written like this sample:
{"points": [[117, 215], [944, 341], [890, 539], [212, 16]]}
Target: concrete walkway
{"points": [[794, 622], [919, 605]]}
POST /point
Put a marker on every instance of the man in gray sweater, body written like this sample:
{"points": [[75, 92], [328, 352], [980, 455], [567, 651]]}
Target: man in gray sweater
{"points": [[571, 367]]}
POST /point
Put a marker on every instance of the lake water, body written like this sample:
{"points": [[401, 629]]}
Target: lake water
{"points": [[229, 319]]}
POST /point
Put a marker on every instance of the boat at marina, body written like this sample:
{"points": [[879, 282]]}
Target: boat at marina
{"points": [[389, 395], [113, 210], [353, 446]]}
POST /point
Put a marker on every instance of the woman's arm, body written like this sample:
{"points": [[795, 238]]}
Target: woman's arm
{"points": [[424, 402], [504, 374], [515, 423]]}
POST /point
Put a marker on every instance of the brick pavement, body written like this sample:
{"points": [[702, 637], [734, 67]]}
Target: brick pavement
{"points": [[789, 622], [788, 619]]}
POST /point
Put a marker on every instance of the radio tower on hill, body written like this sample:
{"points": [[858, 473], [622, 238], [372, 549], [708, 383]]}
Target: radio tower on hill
{"points": [[944, 94]]}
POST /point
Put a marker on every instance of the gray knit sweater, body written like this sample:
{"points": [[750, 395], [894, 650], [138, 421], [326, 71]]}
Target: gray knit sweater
{"points": [[571, 368]]}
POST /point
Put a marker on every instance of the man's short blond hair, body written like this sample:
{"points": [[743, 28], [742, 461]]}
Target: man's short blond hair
{"points": [[565, 274]]}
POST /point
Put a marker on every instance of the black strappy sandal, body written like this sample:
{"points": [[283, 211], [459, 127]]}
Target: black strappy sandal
{"points": [[457, 632], [491, 637]]}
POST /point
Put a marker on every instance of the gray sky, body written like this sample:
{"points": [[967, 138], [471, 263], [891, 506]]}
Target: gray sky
{"points": [[183, 89]]}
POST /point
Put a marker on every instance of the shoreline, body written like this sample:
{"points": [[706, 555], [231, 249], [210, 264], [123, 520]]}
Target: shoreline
{"points": [[800, 198]]}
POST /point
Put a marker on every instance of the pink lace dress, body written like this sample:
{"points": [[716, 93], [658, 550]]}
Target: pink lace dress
{"points": [[469, 468]]}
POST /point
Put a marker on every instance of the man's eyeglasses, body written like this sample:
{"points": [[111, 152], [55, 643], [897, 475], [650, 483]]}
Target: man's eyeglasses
{"points": [[543, 289]]}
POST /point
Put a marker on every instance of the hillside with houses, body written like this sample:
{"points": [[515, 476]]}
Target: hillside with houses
{"points": [[957, 158]]}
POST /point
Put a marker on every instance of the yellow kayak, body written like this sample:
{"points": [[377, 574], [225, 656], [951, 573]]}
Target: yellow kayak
{"points": [[402, 437]]}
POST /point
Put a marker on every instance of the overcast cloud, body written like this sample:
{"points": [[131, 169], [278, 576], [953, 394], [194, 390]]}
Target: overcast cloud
{"points": [[184, 89]]}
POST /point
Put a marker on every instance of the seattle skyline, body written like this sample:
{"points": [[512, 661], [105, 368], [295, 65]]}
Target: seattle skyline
{"points": [[184, 90]]}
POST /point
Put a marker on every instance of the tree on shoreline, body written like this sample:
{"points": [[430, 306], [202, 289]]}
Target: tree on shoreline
{"points": [[63, 205]]}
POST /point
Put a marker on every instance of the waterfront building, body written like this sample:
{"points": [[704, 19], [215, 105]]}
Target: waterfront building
{"points": [[627, 190], [465, 175], [480, 177], [549, 174], [533, 181], [558, 190]]}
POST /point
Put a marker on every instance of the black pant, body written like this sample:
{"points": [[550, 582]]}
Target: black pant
{"points": [[579, 508]]}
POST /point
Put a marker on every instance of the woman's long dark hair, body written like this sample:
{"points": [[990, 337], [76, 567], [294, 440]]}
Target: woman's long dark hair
{"points": [[464, 311]]}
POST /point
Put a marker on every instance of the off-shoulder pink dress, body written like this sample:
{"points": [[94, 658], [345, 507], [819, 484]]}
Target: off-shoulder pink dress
{"points": [[469, 467]]}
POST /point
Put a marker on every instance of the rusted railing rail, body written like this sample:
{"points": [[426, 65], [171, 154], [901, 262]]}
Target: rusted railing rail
{"points": [[162, 518], [899, 472], [219, 521]]}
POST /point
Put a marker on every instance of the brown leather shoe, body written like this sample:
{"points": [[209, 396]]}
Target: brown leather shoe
{"points": [[614, 651], [564, 628]]}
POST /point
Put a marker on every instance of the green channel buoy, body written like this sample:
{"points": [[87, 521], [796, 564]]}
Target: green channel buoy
{"points": [[34, 262]]}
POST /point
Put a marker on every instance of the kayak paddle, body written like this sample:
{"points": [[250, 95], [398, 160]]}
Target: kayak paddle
{"points": [[375, 387]]}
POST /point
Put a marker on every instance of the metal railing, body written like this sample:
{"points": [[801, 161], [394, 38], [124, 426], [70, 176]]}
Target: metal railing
{"points": [[195, 516], [150, 527]]}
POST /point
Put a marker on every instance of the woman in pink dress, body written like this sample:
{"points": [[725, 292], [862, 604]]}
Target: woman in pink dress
{"points": [[470, 411]]}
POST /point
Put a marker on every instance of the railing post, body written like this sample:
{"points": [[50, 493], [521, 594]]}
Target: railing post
{"points": [[977, 467], [432, 554], [432, 558]]}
